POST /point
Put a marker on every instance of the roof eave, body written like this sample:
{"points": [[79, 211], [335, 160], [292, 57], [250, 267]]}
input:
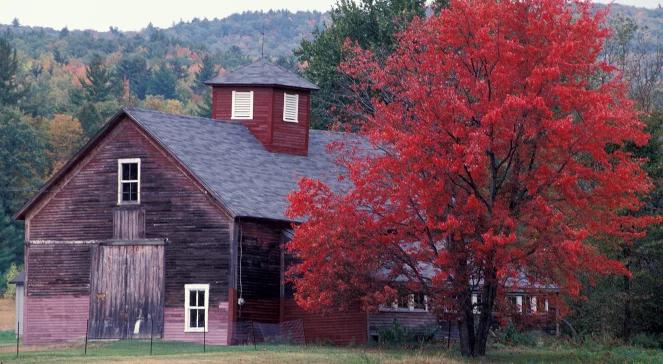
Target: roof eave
{"points": [[20, 214], [241, 84]]}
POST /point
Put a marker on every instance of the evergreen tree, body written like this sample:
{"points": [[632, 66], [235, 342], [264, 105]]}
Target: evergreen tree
{"points": [[99, 84], [372, 24], [22, 163], [206, 73], [9, 90], [163, 82], [134, 69]]}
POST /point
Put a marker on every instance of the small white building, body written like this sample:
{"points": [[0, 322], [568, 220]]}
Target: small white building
{"points": [[19, 281]]}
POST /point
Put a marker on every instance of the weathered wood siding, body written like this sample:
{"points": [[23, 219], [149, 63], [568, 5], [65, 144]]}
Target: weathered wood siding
{"points": [[267, 124], [56, 298], [127, 287], [83, 206], [129, 223], [217, 330], [55, 319]]}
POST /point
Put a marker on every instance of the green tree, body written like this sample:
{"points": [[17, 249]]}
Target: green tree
{"points": [[23, 163], [207, 71], [9, 90], [163, 82], [99, 84], [373, 25], [134, 69]]}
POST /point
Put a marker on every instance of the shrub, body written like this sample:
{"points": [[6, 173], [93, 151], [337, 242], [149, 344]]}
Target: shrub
{"points": [[396, 334], [510, 335], [11, 273], [648, 341]]}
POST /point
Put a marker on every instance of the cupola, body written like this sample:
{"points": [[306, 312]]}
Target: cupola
{"points": [[274, 103]]}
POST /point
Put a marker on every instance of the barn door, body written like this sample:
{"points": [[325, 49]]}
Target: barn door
{"points": [[126, 295]]}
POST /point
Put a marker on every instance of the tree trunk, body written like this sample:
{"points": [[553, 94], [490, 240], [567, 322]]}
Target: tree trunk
{"points": [[486, 315], [466, 327], [626, 328], [474, 330]]}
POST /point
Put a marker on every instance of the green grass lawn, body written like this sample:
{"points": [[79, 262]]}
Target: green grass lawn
{"points": [[170, 352]]}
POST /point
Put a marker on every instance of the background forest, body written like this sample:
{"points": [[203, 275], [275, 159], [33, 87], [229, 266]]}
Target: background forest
{"points": [[58, 86]]}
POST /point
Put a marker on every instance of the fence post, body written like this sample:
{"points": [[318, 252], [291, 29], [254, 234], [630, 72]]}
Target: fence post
{"points": [[87, 327], [204, 339], [151, 335], [253, 335], [448, 334], [18, 333]]}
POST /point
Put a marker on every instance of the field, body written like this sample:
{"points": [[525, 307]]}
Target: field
{"points": [[138, 351], [168, 352]]}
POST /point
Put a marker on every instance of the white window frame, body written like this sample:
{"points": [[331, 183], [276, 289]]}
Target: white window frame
{"points": [[242, 117], [395, 307], [195, 287], [519, 304], [120, 162], [285, 100]]}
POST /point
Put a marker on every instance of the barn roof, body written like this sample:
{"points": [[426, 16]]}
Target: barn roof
{"points": [[263, 73], [234, 165], [228, 161]]}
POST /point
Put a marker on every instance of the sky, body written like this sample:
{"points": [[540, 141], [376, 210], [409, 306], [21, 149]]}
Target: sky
{"points": [[136, 14]]}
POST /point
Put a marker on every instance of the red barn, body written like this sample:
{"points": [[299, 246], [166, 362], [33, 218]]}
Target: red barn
{"points": [[175, 224]]}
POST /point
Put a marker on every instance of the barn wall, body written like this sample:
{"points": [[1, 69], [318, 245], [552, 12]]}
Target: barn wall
{"points": [[217, 327], [260, 271], [55, 319], [173, 206], [341, 328]]}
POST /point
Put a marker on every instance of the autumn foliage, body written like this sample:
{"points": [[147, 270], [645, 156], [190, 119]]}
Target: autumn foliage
{"points": [[500, 154]]}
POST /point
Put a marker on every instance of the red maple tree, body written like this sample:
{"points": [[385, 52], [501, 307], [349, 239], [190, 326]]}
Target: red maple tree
{"points": [[501, 155]]}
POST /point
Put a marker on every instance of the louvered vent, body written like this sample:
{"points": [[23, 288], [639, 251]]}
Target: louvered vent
{"points": [[242, 107], [290, 107]]}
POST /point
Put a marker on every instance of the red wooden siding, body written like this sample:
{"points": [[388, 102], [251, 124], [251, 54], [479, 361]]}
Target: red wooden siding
{"points": [[55, 319], [288, 137], [267, 124], [82, 206], [260, 271], [341, 328]]}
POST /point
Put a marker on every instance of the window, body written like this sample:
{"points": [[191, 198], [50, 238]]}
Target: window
{"points": [[128, 181], [290, 107], [408, 302], [242, 107], [196, 301], [533, 304]]}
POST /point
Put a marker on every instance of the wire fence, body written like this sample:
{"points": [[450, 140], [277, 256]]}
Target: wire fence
{"points": [[147, 336]]}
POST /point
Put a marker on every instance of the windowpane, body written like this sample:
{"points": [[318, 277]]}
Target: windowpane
{"points": [[192, 299], [130, 171], [201, 317], [201, 298], [193, 318], [130, 191]]}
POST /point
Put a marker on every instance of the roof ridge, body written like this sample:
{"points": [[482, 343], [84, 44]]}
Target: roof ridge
{"points": [[128, 110]]}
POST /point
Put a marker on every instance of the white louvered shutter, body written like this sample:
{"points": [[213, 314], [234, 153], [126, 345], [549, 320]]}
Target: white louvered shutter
{"points": [[290, 107], [242, 107]]}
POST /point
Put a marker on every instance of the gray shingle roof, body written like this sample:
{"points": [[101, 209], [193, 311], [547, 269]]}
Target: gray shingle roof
{"points": [[265, 74], [238, 170]]}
